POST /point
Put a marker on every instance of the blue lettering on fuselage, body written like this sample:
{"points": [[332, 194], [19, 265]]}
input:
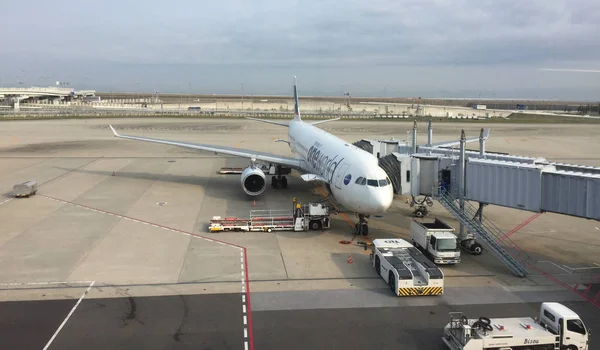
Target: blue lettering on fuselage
{"points": [[323, 164]]}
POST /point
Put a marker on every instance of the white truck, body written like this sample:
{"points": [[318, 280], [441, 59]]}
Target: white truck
{"points": [[436, 240], [557, 328], [405, 269]]}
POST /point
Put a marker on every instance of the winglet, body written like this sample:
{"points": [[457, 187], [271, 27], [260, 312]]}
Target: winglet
{"points": [[114, 131]]}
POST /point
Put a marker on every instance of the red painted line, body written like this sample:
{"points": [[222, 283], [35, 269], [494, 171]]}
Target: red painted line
{"points": [[250, 333], [520, 226], [246, 278]]}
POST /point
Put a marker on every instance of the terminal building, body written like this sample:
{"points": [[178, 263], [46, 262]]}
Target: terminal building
{"points": [[12, 97]]}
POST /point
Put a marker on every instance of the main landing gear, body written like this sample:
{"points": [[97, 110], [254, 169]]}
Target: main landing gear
{"points": [[362, 228], [278, 179]]}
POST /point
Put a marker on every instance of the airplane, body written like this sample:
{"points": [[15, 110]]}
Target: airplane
{"points": [[351, 175]]}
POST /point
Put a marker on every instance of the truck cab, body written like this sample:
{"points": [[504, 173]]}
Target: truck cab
{"points": [[437, 240], [565, 323]]}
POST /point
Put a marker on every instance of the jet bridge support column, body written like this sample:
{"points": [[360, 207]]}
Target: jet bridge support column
{"points": [[414, 138], [461, 181], [430, 134], [481, 144]]}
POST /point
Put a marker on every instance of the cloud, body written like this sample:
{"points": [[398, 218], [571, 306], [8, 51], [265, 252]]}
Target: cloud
{"points": [[352, 42]]}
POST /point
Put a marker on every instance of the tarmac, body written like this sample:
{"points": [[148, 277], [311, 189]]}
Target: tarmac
{"points": [[113, 251]]}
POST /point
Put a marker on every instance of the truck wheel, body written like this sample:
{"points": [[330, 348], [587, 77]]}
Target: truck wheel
{"points": [[283, 182], [418, 213], [377, 265], [315, 225], [274, 182], [392, 283], [476, 249]]}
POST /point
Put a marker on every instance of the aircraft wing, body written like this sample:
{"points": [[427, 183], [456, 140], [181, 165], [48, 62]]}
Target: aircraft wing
{"points": [[232, 151]]}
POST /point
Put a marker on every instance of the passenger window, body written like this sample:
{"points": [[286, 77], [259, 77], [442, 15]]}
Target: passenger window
{"points": [[575, 326], [372, 182]]}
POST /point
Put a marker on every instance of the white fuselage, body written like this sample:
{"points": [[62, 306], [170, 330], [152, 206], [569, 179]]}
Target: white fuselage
{"points": [[355, 178]]}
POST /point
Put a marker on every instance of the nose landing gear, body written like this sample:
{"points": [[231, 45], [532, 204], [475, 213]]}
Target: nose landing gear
{"points": [[362, 227]]}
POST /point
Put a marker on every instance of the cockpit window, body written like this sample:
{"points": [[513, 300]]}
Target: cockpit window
{"points": [[361, 181], [372, 182], [383, 183]]}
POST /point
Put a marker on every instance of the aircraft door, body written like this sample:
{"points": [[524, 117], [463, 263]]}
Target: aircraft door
{"points": [[339, 175]]}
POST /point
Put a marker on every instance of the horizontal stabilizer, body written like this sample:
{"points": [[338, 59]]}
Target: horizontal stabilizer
{"points": [[270, 121], [313, 178]]}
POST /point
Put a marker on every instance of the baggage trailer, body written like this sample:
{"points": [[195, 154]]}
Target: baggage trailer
{"points": [[405, 269], [437, 240], [313, 216], [557, 328], [25, 189]]}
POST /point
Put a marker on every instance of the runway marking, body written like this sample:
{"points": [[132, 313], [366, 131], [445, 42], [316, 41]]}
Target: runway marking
{"points": [[6, 201], [69, 315], [249, 342]]}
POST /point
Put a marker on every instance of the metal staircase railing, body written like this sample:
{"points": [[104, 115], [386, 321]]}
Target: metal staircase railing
{"points": [[490, 235]]}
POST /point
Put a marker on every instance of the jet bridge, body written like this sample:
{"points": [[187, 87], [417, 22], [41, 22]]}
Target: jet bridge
{"points": [[455, 176]]}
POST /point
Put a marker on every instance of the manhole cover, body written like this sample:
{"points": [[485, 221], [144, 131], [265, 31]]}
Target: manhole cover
{"points": [[160, 204], [378, 216], [171, 161], [344, 242]]}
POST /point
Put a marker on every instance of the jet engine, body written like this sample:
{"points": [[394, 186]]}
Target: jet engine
{"points": [[254, 181]]}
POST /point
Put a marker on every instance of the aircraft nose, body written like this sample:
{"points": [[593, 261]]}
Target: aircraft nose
{"points": [[382, 199]]}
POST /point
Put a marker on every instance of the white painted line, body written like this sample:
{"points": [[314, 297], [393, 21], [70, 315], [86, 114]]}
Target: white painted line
{"points": [[597, 228], [581, 268], [43, 283], [242, 273], [244, 308], [560, 267], [245, 333], [242, 267], [68, 316], [242, 254], [6, 201], [243, 298], [242, 260], [245, 320], [245, 345]]}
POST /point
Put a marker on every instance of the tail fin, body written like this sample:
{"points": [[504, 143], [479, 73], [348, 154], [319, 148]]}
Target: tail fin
{"points": [[296, 103]]}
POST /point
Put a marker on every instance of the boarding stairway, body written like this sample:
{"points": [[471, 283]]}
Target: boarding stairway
{"points": [[488, 234]]}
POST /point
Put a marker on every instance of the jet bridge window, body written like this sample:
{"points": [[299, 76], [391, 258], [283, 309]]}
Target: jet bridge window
{"points": [[373, 183], [361, 181]]}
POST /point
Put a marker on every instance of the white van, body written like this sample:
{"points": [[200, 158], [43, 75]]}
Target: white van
{"points": [[565, 323]]}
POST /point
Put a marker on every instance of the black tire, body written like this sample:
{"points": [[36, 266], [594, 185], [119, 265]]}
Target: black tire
{"points": [[283, 182], [357, 229], [315, 225], [378, 266], [392, 283], [476, 249], [364, 229], [419, 213], [274, 182]]}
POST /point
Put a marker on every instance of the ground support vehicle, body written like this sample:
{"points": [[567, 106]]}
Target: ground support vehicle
{"points": [[557, 328], [436, 239], [405, 269], [303, 217]]}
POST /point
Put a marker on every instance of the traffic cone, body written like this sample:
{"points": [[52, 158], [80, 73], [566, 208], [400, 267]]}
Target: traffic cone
{"points": [[349, 261]]}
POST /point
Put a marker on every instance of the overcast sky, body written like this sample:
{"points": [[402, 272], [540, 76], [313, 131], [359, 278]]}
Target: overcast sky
{"points": [[450, 48]]}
